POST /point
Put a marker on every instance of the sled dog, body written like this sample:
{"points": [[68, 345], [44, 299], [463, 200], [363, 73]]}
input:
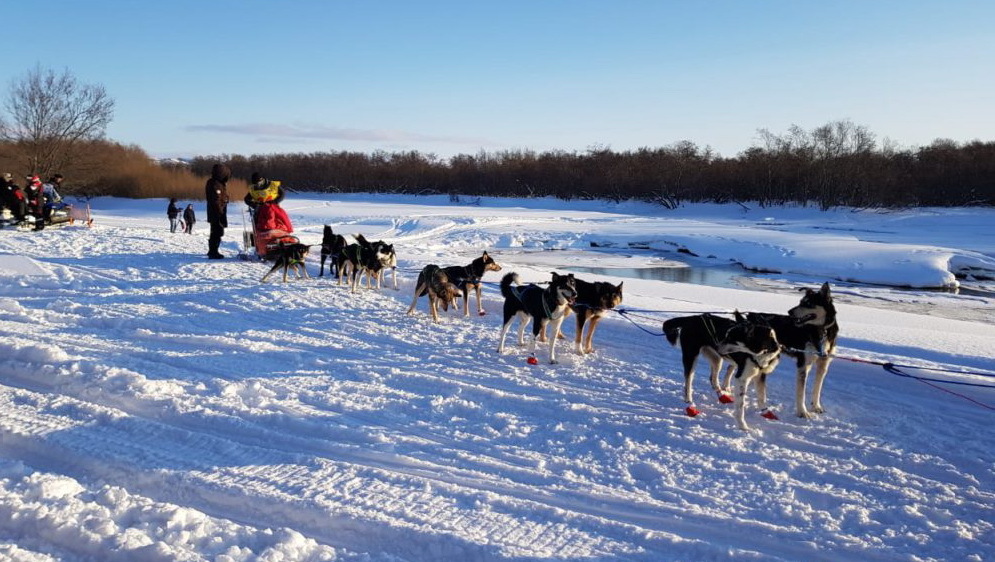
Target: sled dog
{"points": [[331, 247], [751, 347], [468, 278], [379, 257], [289, 256], [593, 301], [539, 305], [347, 262], [434, 282], [808, 334]]}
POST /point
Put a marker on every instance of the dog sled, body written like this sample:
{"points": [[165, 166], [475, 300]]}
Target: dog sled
{"points": [[270, 231], [80, 213]]}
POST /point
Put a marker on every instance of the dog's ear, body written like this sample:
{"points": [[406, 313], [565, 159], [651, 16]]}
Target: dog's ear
{"points": [[738, 316], [825, 289], [620, 287]]}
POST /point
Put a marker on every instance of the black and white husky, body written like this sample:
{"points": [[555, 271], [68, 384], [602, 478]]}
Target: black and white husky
{"points": [[389, 261], [751, 347], [539, 305], [807, 333], [385, 256]]}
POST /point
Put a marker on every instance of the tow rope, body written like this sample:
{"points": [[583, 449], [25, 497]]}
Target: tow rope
{"points": [[896, 369]]}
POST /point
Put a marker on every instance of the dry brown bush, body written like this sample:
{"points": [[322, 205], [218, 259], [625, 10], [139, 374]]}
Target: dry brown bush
{"points": [[107, 168]]}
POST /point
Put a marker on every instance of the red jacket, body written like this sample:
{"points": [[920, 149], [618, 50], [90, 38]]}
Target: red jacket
{"points": [[270, 216]]}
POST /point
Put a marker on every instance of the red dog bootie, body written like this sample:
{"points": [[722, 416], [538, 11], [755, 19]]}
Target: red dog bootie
{"points": [[726, 398], [532, 361], [691, 411], [769, 414]]}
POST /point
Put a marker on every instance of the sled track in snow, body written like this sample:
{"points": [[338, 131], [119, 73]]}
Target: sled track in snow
{"points": [[287, 492]]}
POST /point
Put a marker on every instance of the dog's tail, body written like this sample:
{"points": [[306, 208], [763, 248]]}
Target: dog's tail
{"points": [[506, 283], [362, 240], [672, 329]]}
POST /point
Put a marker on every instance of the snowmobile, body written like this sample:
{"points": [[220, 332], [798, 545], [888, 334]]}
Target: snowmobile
{"points": [[59, 216], [7, 220]]}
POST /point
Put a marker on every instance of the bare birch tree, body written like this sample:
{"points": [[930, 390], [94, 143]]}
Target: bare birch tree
{"points": [[48, 116]]}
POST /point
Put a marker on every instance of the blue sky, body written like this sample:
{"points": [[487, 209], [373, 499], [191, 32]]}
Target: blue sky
{"points": [[250, 77]]}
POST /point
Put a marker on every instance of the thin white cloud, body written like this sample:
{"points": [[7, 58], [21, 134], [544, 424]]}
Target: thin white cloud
{"points": [[267, 132]]}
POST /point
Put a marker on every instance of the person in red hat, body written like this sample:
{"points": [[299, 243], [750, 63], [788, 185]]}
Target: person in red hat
{"points": [[35, 199]]}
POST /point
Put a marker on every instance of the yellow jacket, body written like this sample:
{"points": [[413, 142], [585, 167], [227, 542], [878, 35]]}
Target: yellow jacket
{"points": [[268, 191]]}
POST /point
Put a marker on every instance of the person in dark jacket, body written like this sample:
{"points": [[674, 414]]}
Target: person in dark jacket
{"points": [[189, 218], [173, 214], [13, 198], [216, 192]]}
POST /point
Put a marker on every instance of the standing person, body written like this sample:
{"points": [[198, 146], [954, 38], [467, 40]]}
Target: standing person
{"points": [[189, 218], [216, 192], [173, 214]]}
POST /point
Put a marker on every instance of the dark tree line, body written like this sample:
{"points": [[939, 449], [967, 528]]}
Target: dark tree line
{"points": [[838, 164]]}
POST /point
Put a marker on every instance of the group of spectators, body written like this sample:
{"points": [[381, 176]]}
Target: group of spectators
{"points": [[185, 223], [36, 199]]}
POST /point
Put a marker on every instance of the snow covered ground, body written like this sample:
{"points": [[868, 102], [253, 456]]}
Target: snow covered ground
{"points": [[155, 405]]}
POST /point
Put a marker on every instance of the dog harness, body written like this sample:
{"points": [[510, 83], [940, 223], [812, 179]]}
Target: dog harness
{"points": [[545, 307], [468, 278], [359, 253], [706, 319]]}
